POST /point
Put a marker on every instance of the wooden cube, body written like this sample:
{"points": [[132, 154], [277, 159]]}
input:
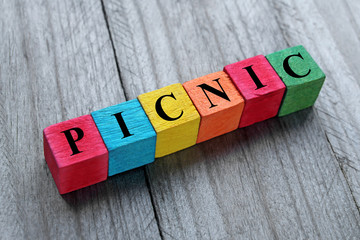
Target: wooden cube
{"points": [[259, 85], [302, 76], [75, 153], [218, 102], [173, 116], [128, 136]]}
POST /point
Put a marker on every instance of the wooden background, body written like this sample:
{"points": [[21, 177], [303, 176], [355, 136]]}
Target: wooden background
{"points": [[296, 177]]}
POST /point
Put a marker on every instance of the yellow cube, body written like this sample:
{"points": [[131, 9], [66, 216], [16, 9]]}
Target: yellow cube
{"points": [[173, 116]]}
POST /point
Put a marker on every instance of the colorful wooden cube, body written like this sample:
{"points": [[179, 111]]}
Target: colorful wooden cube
{"points": [[128, 136], [259, 85], [85, 150], [218, 102], [173, 116], [302, 76], [75, 153]]}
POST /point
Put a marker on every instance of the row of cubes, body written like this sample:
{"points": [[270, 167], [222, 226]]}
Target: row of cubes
{"points": [[86, 150]]}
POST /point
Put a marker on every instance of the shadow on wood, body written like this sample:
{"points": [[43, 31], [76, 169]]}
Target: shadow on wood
{"points": [[214, 149]]}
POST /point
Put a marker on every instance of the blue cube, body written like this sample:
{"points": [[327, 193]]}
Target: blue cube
{"points": [[128, 135]]}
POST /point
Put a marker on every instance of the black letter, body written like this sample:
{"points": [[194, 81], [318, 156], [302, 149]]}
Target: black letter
{"points": [[72, 141], [161, 112], [219, 93], [122, 125], [254, 77], [289, 71]]}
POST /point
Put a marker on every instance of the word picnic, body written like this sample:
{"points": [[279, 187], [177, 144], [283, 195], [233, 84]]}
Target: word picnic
{"points": [[86, 150]]}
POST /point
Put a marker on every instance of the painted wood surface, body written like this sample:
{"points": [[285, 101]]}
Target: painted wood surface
{"points": [[260, 86], [173, 116], [301, 75], [294, 177], [128, 135], [75, 154], [218, 102]]}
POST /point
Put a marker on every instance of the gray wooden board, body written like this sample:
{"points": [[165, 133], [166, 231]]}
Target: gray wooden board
{"points": [[278, 179], [57, 63], [338, 104], [290, 177]]}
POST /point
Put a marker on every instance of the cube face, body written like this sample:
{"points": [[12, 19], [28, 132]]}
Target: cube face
{"points": [[173, 116], [218, 102], [128, 136], [259, 85], [75, 153], [302, 76]]}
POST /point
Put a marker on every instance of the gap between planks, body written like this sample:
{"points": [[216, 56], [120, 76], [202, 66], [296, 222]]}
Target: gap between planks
{"points": [[127, 98]]}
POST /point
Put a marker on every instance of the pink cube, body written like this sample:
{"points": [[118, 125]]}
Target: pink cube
{"points": [[75, 153]]}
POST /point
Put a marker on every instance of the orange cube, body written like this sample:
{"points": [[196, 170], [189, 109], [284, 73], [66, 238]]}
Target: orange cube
{"points": [[218, 102]]}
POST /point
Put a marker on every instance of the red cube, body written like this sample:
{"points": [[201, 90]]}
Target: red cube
{"points": [[260, 86], [75, 153]]}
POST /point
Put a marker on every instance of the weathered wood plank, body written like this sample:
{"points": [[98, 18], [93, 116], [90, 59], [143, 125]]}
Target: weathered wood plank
{"points": [[57, 63], [277, 179], [338, 103]]}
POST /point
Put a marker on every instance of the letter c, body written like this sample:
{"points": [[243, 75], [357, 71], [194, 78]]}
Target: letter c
{"points": [[160, 110], [289, 71]]}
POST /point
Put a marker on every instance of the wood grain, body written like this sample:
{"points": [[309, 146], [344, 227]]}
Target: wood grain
{"points": [[57, 63], [295, 177], [177, 124], [76, 160], [218, 102], [303, 81], [337, 106], [260, 86], [129, 148], [277, 179]]}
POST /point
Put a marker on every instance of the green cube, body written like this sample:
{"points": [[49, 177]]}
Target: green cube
{"points": [[302, 76]]}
